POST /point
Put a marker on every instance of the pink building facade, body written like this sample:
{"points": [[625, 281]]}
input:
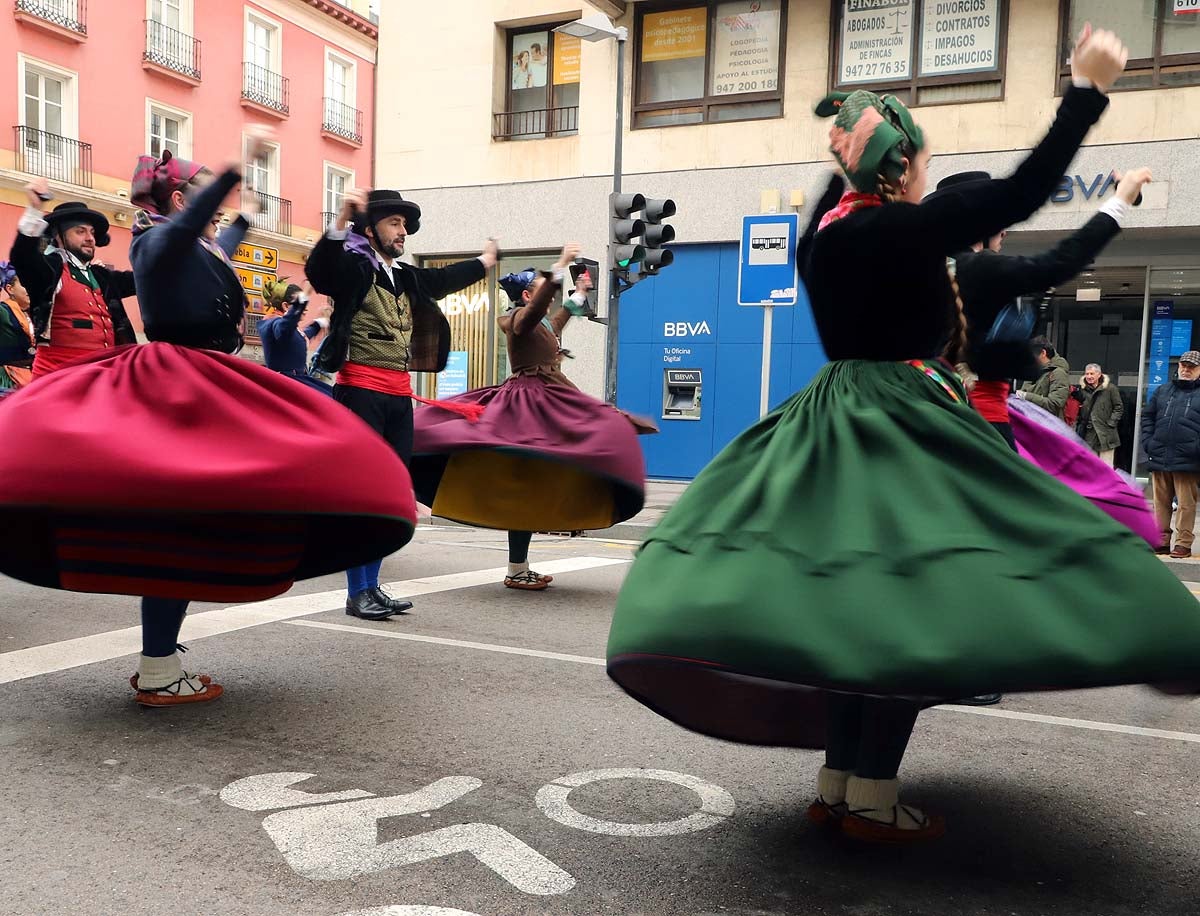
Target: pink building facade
{"points": [[93, 86]]}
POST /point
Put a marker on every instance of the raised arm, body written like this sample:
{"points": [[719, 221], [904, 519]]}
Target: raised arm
{"points": [[958, 220], [525, 320], [165, 242]]}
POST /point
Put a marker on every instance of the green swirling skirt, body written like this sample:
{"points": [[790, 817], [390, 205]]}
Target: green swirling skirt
{"points": [[874, 535]]}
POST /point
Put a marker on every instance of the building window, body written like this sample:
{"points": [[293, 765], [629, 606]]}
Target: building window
{"points": [[341, 119], [542, 86], [167, 128], [339, 79], [1163, 37], [262, 43], [337, 182], [926, 52], [46, 141], [262, 174], [698, 62]]}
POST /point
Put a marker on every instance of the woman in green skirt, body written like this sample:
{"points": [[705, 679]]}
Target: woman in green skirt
{"points": [[872, 547]]}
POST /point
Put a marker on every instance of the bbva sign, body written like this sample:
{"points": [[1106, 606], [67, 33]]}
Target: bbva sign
{"points": [[1095, 187], [685, 329]]}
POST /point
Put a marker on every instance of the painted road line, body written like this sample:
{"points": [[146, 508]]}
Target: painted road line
{"points": [[85, 650], [1060, 721], [1074, 723], [457, 643]]}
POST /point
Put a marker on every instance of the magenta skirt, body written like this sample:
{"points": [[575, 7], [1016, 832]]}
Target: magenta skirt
{"points": [[1053, 446]]}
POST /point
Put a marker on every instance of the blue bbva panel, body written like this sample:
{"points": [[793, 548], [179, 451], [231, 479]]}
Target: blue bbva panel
{"points": [[688, 317]]}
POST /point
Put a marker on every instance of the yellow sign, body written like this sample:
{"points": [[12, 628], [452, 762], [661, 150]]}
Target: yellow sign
{"points": [[674, 35], [260, 257], [252, 280], [255, 304], [566, 59]]}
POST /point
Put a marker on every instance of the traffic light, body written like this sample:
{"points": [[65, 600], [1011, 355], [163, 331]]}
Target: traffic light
{"points": [[625, 231], [657, 235]]}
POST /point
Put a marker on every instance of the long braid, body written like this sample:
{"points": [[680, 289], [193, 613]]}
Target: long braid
{"points": [[956, 349]]}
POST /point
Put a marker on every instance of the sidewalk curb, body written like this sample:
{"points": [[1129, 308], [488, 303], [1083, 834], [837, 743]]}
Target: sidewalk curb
{"points": [[1185, 570]]}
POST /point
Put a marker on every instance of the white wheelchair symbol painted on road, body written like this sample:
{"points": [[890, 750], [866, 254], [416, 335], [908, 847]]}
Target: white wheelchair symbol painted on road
{"points": [[715, 803], [333, 836]]}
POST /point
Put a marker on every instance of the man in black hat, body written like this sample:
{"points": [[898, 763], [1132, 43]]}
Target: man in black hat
{"points": [[75, 304], [385, 324]]}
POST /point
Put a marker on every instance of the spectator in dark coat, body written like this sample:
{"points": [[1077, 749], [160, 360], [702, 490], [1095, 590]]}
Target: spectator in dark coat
{"points": [[1171, 441], [1100, 412]]}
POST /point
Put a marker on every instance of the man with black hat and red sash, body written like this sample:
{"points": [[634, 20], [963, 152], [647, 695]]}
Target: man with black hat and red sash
{"points": [[385, 324], [75, 304]]}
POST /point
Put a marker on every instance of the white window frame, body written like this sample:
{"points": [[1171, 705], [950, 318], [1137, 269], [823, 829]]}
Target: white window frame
{"points": [[70, 79], [254, 16], [187, 16], [185, 125], [351, 65], [327, 169], [273, 175]]}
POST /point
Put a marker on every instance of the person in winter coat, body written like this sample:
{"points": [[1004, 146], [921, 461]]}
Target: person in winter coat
{"points": [[1171, 441], [1100, 412], [1053, 386]]}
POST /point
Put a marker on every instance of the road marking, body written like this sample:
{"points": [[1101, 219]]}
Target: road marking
{"points": [[409, 911], [85, 650], [335, 842], [715, 803], [268, 791], [1074, 723], [441, 641], [1087, 724]]}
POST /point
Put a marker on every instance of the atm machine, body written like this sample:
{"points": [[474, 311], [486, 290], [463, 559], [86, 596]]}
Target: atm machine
{"points": [[681, 394]]}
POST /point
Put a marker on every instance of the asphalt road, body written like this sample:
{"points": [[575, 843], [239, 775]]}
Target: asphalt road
{"points": [[450, 776]]}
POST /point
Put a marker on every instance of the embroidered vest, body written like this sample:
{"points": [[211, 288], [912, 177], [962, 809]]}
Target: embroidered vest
{"points": [[381, 331], [79, 317]]}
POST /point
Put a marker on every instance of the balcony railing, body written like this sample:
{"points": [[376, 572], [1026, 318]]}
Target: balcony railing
{"points": [[70, 14], [262, 87], [342, 120], [541, 122], [275, 216], [172, 49], [52, 156], [327, 219]]}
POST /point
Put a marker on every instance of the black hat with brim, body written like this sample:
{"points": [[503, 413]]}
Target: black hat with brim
{"points": [[959, 181], [383, 203], [74, 212]]}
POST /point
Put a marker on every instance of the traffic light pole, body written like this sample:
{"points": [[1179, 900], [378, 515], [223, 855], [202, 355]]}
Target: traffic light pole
{"points": [[614, 276]]}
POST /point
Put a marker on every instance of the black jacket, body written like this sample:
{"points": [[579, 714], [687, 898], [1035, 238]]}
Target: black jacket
{"points": [[344, 269], [1171, 427], [40, 273], [988, 281]]}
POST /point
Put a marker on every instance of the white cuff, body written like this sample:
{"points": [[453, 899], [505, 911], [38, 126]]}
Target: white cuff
{"points": [[302, 299], [1117, 209], [579, 298], [1082, 82], [322, 323], [559, 274], [31, 223], [338, 235]]}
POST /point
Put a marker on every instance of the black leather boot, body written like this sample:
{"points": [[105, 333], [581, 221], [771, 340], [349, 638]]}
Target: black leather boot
{"points": [[395, 605], [364, 606]]}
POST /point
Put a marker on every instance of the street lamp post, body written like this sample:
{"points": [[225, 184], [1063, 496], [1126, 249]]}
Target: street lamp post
{"points": [[599, 28]]}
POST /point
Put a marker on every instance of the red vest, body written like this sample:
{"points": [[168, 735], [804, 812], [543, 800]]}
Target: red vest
{"points": [[79, 317]]}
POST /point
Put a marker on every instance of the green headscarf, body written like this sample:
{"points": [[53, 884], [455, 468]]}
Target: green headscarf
{"points": [[869, 136]]}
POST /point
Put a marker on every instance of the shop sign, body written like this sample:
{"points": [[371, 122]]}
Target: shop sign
{"points": [[1093, 186], [674, 35], [959, 36], [876, 41], [746, 47], [1184, 7]]}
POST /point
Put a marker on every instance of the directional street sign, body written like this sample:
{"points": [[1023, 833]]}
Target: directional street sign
{"points": [[252, 280], [261, 257]]}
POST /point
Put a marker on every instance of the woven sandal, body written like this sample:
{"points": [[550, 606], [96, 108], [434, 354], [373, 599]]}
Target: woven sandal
{"points": [[528, 580], [174, 693], [822, 813], [869, 830]]}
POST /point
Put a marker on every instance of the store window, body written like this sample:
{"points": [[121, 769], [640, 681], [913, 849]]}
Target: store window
{"points": [[925, 52], [696, 63], [541, 85], [1163, 37]]}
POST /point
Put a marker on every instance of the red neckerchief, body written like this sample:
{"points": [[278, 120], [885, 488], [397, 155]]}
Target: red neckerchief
{"points": [[851, 201]]}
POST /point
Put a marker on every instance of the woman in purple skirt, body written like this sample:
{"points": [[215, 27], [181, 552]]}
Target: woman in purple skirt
{"points": [[544, 456]]}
